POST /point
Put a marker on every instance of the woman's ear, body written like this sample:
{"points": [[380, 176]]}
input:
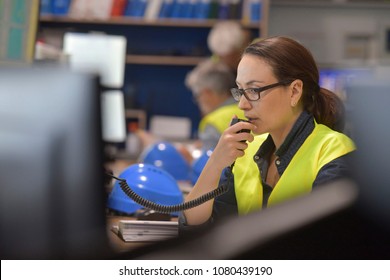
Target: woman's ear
{"points": [[296, 92]]}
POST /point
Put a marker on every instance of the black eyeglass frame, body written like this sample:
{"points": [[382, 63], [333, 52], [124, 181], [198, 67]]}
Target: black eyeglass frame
{"points": [[237, 92]]}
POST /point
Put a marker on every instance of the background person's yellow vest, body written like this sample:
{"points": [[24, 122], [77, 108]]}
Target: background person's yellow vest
{"points": [[221, 117], [322, 146]]}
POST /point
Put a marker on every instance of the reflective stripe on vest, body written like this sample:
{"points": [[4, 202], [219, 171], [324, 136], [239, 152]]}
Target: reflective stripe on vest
{"points": [[221, 117], [322, 146]]}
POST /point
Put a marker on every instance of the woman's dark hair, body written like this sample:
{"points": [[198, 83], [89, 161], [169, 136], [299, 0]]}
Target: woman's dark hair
{"points": [[290, 61]]}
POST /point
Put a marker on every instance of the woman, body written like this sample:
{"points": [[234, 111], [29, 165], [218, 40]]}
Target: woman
{"points": [[296, 146]]}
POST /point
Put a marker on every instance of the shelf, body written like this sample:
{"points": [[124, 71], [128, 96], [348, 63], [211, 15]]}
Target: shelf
{"points": [[163, 60], [140, 21]]}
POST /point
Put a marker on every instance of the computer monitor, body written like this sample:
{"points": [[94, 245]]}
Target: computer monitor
{"points": [[101, 53], [369, 101], [106, 55], [52, 197]]}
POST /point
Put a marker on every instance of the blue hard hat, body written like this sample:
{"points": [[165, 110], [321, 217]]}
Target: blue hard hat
{"points": [[164, 155], [198, 165], [149, 182]]}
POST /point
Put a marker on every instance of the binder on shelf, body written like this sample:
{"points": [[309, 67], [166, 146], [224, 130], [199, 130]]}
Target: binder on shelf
{"points": [[46, 7], [140, 8], [235, 7], [189, 9], [255, 10], [118, 8], [166, 9], [202, 9], [97, 9], [251, 11], [184, 9], [213, 11], [178, 8], [136, 8], [223, 9], [78, 9], [60, 7], [153, 9], [128, 8], [100, 9]]}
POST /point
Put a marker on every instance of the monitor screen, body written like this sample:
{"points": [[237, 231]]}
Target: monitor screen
{"points": [[369, 100], [337, 79], [100, 53], [106, 55], [52, 197]]}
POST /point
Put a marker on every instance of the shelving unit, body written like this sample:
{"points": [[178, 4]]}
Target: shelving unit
{"points": [[163, 60], [160, 53]]}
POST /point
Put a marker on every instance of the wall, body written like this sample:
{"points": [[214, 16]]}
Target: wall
{"points": [[337, 34]]}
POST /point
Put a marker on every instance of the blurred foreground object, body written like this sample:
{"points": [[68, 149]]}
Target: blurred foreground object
{"points": [[369, 99], [52, 197]]}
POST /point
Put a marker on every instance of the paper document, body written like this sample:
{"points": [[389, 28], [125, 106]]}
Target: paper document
{"points": [[147, 230]]}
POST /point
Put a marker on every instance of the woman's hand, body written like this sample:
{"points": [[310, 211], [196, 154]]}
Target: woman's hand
{"points": [[225, 153], [232, 144]]}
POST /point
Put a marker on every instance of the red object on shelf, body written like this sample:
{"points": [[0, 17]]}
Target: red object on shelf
{"points": [[118, 7]]}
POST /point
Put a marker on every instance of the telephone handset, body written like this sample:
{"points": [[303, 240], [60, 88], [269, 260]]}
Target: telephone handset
{"points": [[178, 207], [236, 120]]}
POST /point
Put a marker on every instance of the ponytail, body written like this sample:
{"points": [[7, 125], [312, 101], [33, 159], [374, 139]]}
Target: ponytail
{"points": [[328, 109]]}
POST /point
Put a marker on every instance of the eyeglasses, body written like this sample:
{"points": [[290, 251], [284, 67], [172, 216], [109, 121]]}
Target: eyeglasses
{"points": [[253, 94]]}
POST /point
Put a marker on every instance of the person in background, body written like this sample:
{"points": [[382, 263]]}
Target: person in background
{"points": [[295, 145], [226, 41], [210, 83]]}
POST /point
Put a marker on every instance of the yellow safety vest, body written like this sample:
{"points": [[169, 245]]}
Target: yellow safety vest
{"points": [[322, 146], [221, 117]]}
